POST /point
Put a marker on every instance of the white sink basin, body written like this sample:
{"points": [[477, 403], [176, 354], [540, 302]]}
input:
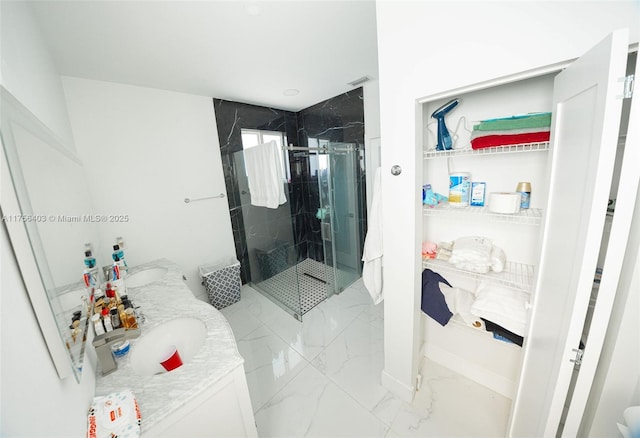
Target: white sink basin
{"points": [[187, 334], [147, 276]]}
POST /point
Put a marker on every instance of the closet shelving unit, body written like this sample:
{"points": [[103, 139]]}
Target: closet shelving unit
{"points": [[469, 350], [530, 216], [509, 149], [541, 378], [515, 275]]}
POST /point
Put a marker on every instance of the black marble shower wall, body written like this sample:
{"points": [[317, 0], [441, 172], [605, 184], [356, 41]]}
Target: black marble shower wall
{"points": [[231, 117], [339, 119]]}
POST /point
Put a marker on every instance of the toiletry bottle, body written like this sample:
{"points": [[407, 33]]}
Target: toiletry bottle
{"points": [[115, 318], [524, 188], [106, 320], [97, 324], [119, 253], [99, 303], [90, 275], [132, 322], [89, 259], [109, 292], [123, 316], [115, 271], [86, 277]]}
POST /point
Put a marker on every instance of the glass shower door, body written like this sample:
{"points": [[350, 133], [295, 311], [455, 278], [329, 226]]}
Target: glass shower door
{"points": [[341, 224]]}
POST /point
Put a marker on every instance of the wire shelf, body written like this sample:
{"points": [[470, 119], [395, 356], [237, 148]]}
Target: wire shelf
{"points": [[529, 216], [514, 148], [515, 275]]}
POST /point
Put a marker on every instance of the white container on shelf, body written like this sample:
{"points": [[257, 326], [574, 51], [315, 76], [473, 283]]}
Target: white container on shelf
{"points": [[504, 202]]}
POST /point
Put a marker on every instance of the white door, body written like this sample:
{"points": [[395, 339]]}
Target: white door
{"points": [[586, 118], [620, 232]]}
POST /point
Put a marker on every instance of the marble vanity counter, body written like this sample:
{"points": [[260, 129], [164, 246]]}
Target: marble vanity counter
{"points": [[160, 395]]}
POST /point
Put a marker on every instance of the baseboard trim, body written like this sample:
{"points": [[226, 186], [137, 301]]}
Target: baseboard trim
{"points": [[462, 366], [399, 389]]}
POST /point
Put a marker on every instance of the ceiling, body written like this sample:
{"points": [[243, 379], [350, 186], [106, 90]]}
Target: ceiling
{"points": [[236, 50]]}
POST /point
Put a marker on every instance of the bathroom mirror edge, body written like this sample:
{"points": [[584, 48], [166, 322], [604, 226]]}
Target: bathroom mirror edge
{"points": [[26, 242]]}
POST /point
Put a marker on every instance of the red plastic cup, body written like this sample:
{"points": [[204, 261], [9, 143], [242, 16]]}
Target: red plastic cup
{"points": [[173, 359]]}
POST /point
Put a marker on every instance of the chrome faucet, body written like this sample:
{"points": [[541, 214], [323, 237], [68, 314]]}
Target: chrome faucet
{"points": [[103, 344]]}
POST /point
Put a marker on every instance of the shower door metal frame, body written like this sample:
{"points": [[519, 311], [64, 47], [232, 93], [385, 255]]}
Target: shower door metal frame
{"points": [[336, 286]]}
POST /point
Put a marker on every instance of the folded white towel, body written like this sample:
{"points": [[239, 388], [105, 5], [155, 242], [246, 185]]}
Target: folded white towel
{"points": [[372, 254], [503, 306], [498, 259], [264, 172], [472, 253]]}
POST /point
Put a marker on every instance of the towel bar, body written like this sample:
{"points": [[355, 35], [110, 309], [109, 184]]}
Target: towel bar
{"points": [[187, 200]]}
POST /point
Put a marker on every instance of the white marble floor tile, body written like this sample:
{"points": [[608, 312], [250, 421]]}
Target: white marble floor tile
{"points": [[269, 364], [354, 361], [392, 434], [241, 321], [256, 305], [355, 298], [320, 326], [313, 406], [374, 314], [450, 405]]}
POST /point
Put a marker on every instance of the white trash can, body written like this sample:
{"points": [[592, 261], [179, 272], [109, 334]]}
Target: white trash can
{"points": [[222, 282]]}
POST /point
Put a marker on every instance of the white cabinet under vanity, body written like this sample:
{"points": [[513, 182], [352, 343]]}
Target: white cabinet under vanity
{"points": [[208, 394]]}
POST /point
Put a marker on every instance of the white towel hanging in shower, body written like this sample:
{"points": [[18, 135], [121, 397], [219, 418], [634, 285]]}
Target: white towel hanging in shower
{"points": [[264, 173], [372, 254]]}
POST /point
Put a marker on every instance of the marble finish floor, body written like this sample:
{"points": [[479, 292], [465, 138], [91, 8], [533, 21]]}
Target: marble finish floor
{"points": [[321, 377]]}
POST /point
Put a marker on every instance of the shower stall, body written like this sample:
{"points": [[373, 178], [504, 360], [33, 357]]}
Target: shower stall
{"points": [[310, 247]]}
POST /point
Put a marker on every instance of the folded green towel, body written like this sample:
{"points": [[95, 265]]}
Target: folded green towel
{"points": [[533, 120]]}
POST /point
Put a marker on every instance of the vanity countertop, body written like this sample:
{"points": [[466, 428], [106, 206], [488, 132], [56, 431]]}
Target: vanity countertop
{"points": [[160, 395]]}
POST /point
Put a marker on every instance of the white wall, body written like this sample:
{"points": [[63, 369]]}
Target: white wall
{"points": [[372, 140], [28, 71], [146, 151], [31, 389], [428, 47], [35, 402]]}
